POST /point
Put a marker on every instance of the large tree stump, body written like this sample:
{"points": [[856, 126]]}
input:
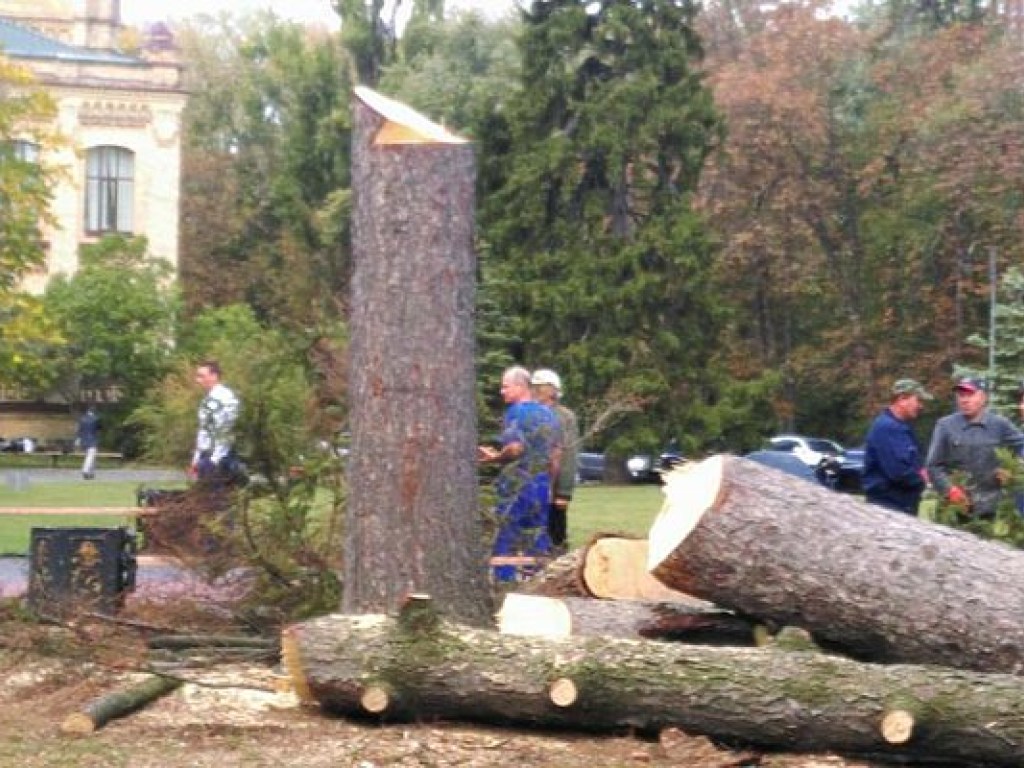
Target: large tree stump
{"points": [[883, 585], [412, 521], [416, 666]]}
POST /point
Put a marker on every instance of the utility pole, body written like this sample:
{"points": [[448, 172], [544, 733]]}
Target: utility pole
{"points": [[991, 316]]}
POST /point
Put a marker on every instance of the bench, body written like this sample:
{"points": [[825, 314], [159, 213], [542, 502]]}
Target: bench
{"points": [[81, 511], [56, 456]]}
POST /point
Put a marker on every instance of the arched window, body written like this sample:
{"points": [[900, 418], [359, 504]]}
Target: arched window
{"points": [[109, 189]]}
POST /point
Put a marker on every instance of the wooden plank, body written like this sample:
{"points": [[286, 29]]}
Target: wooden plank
{"points": [[96, 511]]}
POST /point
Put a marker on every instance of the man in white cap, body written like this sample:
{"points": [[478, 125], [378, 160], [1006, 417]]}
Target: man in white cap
{"points": [[547, 388]]}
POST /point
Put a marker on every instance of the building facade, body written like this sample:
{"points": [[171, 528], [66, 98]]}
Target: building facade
{"points": [[119, 115], [119, 97]]}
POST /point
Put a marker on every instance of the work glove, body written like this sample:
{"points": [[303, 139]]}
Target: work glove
{"points": [[958, 495]]}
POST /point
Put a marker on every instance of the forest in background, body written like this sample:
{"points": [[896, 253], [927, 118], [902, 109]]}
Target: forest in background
{"points": [[715, 222]]}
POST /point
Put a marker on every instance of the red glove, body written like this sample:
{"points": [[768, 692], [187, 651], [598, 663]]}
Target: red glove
{"points": [[957, 495]]}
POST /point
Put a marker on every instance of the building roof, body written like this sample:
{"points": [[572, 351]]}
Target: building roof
{"points": [[21, 42]]}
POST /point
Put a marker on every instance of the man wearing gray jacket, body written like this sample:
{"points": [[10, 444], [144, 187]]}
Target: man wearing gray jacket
{"points": [[967, 441]]}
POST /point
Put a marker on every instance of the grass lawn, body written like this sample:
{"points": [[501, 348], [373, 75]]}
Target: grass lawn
{"points": [[15, 529], [594, 509], [612, 509]]}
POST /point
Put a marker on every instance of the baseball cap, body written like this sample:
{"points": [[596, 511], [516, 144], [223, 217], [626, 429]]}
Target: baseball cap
{"points": [[911, 387], [546, 376], [972, 384]]}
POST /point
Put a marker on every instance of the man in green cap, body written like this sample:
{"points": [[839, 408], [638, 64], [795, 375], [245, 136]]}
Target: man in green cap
{"points": [[893, 467]]}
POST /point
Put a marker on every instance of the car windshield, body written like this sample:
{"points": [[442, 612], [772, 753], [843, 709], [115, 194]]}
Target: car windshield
{"points": [[824, 446]]}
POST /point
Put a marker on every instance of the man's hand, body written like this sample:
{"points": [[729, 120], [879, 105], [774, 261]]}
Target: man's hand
{"points": [[486, 453], [1003, 477], [958, 495]]}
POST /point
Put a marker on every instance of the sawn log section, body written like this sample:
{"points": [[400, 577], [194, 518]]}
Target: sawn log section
{"points": [[882, 585], [418, 667]]}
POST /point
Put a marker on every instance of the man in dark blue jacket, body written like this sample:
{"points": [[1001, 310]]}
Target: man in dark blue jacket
{"points": [[893, 465]]}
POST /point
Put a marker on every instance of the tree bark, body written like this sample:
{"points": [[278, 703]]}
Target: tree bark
{"points": [[118, 704], [415, 666], [412, 521], [879, 584], [540, 616]]}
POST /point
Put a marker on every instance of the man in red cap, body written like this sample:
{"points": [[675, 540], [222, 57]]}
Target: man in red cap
{"points": [[967, 441]]}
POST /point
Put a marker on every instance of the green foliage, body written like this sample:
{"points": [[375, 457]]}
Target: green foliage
{"points": [[26, 185], [264, 369], [266, 210], [1008, 524], [595, 253], [116, 315]]}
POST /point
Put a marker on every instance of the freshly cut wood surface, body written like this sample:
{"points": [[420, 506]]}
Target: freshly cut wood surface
{"points": [[615, 567], [879, 584], [542, 616], [793, 700]]}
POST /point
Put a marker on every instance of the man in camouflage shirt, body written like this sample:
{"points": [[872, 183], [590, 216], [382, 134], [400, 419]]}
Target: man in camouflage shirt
{"points": [[214, 458]]}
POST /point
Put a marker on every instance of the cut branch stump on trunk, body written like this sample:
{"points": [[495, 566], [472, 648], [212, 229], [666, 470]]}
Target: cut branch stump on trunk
{"points": [[880, 585], [403, 669]]}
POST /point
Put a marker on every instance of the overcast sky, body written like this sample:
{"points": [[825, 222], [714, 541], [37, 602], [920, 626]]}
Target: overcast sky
{"points": [[318, 11]]}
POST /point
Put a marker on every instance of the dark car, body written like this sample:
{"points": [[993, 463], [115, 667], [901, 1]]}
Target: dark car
{"points": [[784, 462], [589, 467], [646, 468]]}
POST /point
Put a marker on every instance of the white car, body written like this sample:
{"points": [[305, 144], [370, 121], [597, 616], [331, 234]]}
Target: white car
{"points": [[810, 450]]}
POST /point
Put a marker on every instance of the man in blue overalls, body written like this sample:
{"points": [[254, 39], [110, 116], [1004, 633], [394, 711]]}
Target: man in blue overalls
{"points": [[527, 455]]}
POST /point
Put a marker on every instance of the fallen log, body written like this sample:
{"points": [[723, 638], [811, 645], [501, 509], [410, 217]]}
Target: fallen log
{"points": [[417, 666], [881, 585], [542, 616], [120, 703]]}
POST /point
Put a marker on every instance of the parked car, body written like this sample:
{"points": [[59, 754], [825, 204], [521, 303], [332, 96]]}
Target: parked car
{"points": [[646, 468], [589, 467], [810, 450], [784, 462], [833, 465], [18, 445]]}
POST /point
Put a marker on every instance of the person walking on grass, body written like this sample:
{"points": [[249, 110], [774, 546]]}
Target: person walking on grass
{"points": [[88, 439]]}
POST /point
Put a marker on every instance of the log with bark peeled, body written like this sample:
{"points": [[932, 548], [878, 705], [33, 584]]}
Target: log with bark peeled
{"points": [[880, 584], [541, 616], [118, 704], [791, 700]]}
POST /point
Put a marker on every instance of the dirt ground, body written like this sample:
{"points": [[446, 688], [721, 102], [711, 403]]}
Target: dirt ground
{"points": [[244, 714]]}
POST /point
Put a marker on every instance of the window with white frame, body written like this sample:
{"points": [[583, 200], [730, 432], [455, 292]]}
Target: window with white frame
{"points": [[26, 151], [109, 189]]}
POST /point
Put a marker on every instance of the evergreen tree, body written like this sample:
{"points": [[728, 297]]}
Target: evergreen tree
{"points": [[594, 250]]}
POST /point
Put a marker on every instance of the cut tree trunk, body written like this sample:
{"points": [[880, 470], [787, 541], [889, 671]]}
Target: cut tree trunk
{"points": [[541, 616], [118, 704], [614, 566], [412, 521], [610, 566], [416, 666], [879, 584]]}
